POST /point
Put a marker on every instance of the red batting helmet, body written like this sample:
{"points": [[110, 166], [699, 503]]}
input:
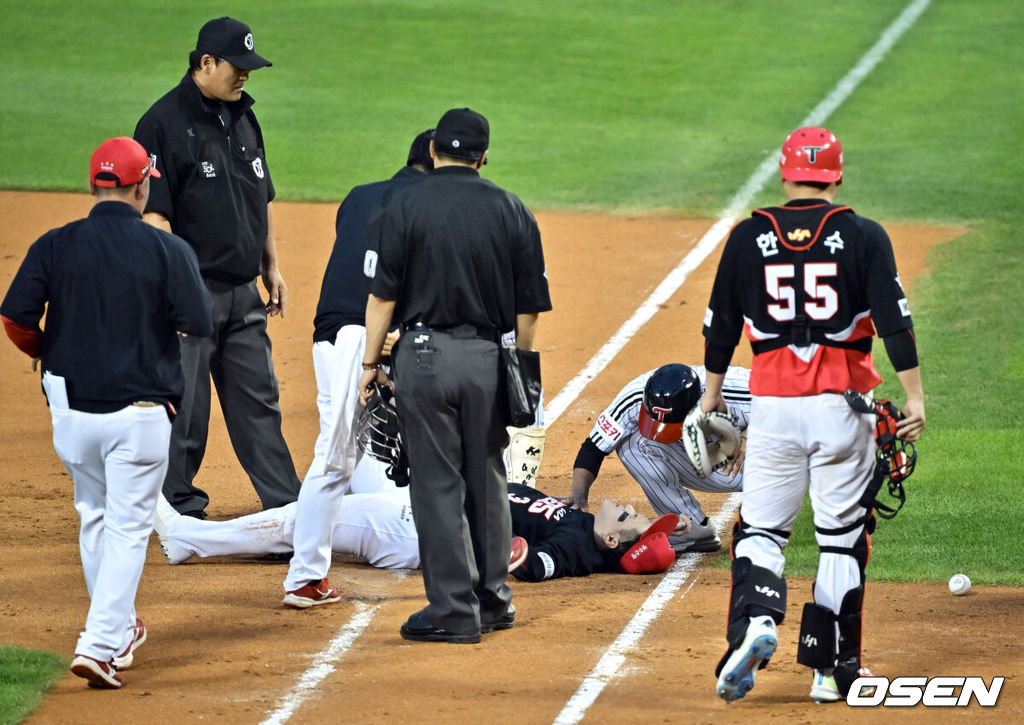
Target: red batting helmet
{"points": [[812, 154]]}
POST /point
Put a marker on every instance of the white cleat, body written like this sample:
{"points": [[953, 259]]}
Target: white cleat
{"points": [[163, 521], [164, 518], [824, 688], [758, 645]]}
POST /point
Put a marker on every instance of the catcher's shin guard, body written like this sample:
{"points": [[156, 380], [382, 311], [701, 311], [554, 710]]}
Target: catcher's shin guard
{"points": [[524, 454], [756, 591], [848, 656], [838, 635], [817, 647]]}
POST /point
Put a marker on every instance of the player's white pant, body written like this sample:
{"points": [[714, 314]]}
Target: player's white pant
{"points": [[377, 527], [792, 442], [665, 473], [118, 462], [338, 368]]}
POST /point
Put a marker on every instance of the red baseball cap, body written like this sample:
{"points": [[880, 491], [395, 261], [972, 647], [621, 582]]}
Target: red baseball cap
{"points": [[121, 162], [648, 556], [652, 552]]}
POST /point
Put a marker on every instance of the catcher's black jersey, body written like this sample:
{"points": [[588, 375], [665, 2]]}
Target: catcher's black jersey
{"points": [[808, 283], [561, 538]]}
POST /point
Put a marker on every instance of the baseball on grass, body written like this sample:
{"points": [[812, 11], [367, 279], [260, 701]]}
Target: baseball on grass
{"points": [[959, 584]]}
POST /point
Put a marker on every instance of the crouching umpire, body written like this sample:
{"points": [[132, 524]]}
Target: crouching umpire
{"points": [[457, 261]]}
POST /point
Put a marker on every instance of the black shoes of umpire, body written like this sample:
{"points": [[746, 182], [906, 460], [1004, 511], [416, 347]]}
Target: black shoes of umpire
{"points": [[418, 628], [505, 621]]}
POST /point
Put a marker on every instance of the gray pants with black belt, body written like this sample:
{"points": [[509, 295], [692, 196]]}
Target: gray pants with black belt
{"points": [[452, 421], [237, 357]]}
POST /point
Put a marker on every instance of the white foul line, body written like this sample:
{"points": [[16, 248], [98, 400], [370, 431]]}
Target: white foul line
{"points": [[323, 665], [608, 666]]}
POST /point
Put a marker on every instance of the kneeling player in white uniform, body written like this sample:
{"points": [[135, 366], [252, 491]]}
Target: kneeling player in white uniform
{"points": [[643, 425]]}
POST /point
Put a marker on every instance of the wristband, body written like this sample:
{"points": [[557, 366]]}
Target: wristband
{"points": [[372, 366]]}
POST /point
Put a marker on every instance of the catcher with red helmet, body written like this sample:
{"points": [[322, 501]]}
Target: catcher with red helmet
{"points": [[809, 283]]}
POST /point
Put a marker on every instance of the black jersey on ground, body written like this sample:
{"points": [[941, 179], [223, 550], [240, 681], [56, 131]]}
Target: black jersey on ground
{"points": [[561, 538]]}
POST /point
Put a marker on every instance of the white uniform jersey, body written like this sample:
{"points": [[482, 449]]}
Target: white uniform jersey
{"points": [[663, 470], [376, 526]]}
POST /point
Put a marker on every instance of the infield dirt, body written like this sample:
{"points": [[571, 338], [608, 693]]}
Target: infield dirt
{"points": [[221, 647]]}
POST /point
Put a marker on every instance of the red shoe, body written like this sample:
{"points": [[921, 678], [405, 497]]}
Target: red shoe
{"points": [[312, 594], [101, 675], [124, 660], [518, 553]]}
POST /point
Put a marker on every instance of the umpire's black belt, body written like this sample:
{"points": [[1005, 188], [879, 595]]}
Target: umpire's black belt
{"points": [[460, 332]]}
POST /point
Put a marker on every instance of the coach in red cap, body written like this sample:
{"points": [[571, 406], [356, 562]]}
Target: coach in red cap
{"points": [[216, 194], [115, 290]]}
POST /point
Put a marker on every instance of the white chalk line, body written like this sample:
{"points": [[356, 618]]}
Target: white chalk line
{"points": [[323, 663], [608, 667], [322, 666]]}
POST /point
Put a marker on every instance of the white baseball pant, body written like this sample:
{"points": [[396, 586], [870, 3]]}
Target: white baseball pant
{"points": [[118, 462], [377, 527], [792, 443], [337, 367]]}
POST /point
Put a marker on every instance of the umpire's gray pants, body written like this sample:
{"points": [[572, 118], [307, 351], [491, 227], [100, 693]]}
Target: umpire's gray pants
{"points": [[237, 357], [447, 393]]}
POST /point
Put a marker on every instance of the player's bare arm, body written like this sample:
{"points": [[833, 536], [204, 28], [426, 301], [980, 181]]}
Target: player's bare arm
{"points": [[277, 303], [579, 497], [735, 464], [712, 398], [378, 319], [389, 341], [526, 330], [912, 425]]}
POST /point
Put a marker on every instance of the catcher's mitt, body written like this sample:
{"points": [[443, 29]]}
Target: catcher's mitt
{"points": [[711, 439]]}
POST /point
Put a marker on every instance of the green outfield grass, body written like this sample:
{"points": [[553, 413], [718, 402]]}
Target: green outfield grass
{"points": [[626, 106], [24, 676]]}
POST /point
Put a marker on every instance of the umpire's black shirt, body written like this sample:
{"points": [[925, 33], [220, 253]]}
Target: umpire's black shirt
{"points": [[344, 289], [456, 249], [215, 184], [115, 290]]}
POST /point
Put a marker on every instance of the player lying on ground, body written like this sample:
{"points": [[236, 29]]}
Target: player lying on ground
{"points": [[644, 426], [375, 523]]}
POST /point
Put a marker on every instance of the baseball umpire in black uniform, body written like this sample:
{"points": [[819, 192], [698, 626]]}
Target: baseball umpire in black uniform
{"points": [[216, 193], [458, 262]]}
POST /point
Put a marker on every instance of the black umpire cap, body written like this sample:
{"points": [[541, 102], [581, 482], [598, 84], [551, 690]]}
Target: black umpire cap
{"points": [[231, 40], [462, 133]]}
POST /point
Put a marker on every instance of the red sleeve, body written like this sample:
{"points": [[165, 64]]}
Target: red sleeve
{"points": [[27, 339]]}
